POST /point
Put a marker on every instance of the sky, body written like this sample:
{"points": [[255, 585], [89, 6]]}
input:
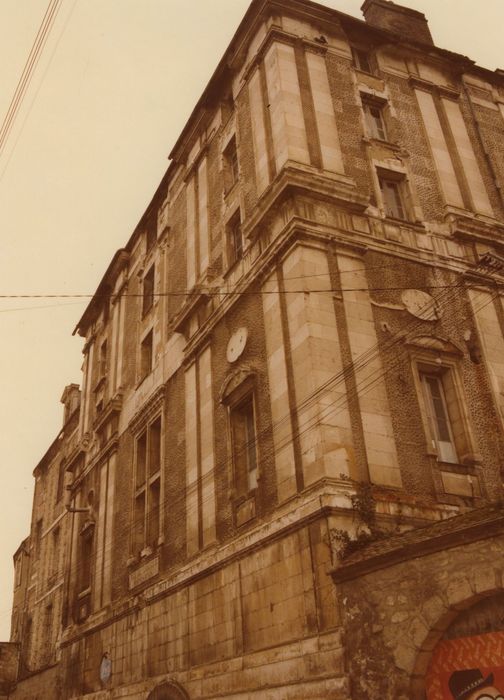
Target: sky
{"points": [[114, 86]]}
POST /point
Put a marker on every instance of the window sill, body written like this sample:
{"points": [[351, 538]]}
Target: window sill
{"points": [[456, 467], [396, 221], [365, 72], [368, 139]]}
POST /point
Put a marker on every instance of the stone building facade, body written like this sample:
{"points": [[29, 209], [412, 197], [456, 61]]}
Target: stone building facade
{"points": [[298, 353]]}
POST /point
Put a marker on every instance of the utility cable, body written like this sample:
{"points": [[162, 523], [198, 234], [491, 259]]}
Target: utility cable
{"points": [[30, 65], [305, 427]]}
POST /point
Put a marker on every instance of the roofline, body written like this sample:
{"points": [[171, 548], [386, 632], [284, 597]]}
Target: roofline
{"points": [[49, 453], [22, 547], [259, 8], [255, 12], [120, 259]]}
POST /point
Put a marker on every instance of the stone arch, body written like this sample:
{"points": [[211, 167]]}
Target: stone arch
{"points": [[170, 690], [437, 632]]}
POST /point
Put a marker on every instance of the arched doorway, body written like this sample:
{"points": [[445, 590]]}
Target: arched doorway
{"points": [[170, 690], [467, 659]]}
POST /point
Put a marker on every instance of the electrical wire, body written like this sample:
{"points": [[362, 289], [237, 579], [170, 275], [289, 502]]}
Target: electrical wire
{"points": [[28, 70], [211, 293], [309, 425]]}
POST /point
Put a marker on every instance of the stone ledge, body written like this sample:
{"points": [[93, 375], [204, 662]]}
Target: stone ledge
{"points": [[479, 524]]}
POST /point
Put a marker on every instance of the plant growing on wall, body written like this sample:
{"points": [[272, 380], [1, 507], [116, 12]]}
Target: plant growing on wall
{"points": [[364, 508]]}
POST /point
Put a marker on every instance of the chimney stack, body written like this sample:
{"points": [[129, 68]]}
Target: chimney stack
{"points": [[400, 20]]}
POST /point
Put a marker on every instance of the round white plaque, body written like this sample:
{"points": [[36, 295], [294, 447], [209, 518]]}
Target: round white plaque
{"points": [[236, 344]]}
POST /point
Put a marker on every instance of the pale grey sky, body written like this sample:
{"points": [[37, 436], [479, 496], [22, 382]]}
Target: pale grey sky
{"points": [[113, 89]]}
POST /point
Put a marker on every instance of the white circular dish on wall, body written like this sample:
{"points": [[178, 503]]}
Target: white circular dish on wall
{"points": [[236, 344]]}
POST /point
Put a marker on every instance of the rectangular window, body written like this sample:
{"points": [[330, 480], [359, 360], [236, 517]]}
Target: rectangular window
{"points": [[392, 197], [375, 123], [231, 171], [243, 435], [362, 60], [148, 291], [235, 238], [147, 487], [102, 369], [55, 551], [436, 405], [61, 481], [85, 559], [146, 355]]}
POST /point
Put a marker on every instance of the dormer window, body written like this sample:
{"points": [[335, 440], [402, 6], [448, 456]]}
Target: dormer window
{"points": [[362, 60]]}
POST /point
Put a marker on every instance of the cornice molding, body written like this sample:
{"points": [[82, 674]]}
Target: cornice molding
{"points": [[151, 407]]}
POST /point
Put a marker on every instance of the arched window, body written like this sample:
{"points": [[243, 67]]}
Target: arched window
{"points": [[168, 691]]}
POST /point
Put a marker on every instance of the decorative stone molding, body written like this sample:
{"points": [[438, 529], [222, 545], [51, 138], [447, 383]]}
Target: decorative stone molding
{"points": [[148, 411], [170, 690], [433, 344], [234, 380], [112, 409]]}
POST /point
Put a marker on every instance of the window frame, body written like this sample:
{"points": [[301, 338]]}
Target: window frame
{"points": [[143, 542], [397, 181], [233, 231], [146, 347], [103, 360], [244, 484], [231, 164], [446, 368], [360, 57], [148, 289], [372, 128], [439, 418]]}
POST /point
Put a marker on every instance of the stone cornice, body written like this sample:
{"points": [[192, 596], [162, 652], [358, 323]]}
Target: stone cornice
{"points": [[319, 500], [298, 178], [151, 407], [467, 228], [112, 409], [198, 296]]}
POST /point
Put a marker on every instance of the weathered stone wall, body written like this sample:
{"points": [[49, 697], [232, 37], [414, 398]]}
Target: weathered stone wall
{"points": [[394, 617], [266, 620], [9, 662], [43, 685], [330, 357]]}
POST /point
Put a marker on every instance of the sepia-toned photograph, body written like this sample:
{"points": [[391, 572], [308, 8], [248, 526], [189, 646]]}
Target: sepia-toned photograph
{"points": [[252, 357]]}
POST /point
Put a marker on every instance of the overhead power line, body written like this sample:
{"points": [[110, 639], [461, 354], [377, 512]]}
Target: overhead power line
{"points": [[28, 70], [223, 293], [364, 385]]}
